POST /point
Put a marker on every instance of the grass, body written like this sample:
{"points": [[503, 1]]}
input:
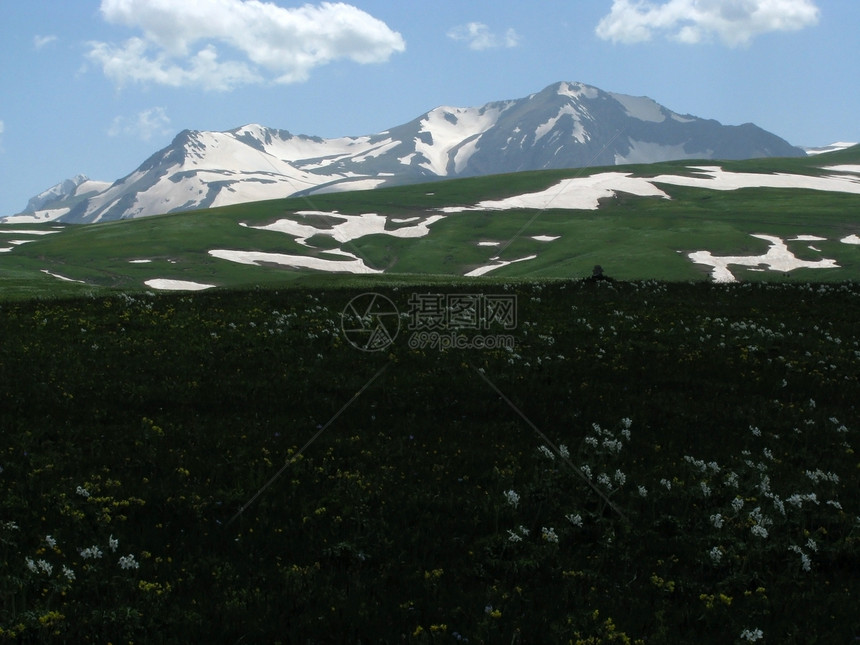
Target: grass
{"points": [[652, 462]]}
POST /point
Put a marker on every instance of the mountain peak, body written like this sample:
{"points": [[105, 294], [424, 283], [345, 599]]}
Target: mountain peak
{"points": [[566, 125]]}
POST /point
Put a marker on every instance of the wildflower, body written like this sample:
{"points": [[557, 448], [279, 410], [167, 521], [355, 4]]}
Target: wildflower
{"points": [[756, 432], [524, 530], [128, 562], [643, 492], [576, 520], [738, 503], [83, 492], [812, 544], [51, 542], [620, 477], [706, 490], [549, 534], [752, 636], [758, 530], [45, 567], [716, 554], [512, 498], [717, 520], [591, 441], [586, 470], [665, 482], [546, 452], [563, 451], [603, 478], [835, 504], [805, 562], [31, 565], [113, 543], [513, 537], [91, 552], [70, 575]]}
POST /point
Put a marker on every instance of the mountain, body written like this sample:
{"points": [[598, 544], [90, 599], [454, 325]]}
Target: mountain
{"points": [[563, 126]]}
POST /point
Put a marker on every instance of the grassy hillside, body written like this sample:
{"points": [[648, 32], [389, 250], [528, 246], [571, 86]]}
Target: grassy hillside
{"points": [[631, 237], [646, 462]]}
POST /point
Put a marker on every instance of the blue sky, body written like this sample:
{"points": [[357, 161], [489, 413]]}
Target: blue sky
{"points": [[97, 86]]}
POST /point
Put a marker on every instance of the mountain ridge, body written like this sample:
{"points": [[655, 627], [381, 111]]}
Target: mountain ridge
{"points": [[564, 125]]}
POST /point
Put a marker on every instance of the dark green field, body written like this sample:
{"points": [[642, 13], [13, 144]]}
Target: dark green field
{"points": [[649, 462]]}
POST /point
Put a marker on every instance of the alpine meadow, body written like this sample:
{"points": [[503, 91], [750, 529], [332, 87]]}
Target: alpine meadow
{"points": [[604, 405]]}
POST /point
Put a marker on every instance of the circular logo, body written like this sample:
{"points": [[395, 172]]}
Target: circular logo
{"points": [[370, 322]]}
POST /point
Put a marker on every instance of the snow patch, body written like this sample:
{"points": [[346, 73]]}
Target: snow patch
{"points": [[581, 193], [356, 265], [640, 107], [164, 284], [851, 239], [497, 264], [777, 258], [545, 238]]}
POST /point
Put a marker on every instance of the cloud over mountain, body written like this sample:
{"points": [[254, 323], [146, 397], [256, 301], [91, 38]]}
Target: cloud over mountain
{"points": [[144, 125], [480, 37], [223, 44], [734, 22]]}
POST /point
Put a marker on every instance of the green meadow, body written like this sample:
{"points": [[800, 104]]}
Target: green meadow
{"points": [[632, 237]]}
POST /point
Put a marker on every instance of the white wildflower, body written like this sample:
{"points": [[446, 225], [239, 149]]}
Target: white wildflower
{"points": [[31, 565], [91, 552], [576, 520], [643, 492], [603, 478], [83, 492], [805, 562], [513, 537], [591, 441], [665, 482], [70, 575], [546, 452], [717, 520], [50, 541], [549, 534], [716, 554], [113, 543], [45, 567], [524, 530], [737, 503], [706, 490], [752, 636], [512, 498], [758, 530], [586, 470], [756, 432], [812, 544], [563, 451], [128, 562], [620, 477], [835, 504]]}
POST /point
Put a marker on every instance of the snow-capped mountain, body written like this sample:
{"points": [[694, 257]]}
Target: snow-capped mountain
{"points": [[564, 125]]}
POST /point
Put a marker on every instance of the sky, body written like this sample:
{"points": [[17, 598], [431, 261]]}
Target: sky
{"points": [[97, 86]]}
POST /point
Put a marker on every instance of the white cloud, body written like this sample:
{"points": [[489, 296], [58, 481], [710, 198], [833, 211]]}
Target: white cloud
{"points": [[144, 125], [734, 22], [41, 41], [222, 44], [479, 36]]}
